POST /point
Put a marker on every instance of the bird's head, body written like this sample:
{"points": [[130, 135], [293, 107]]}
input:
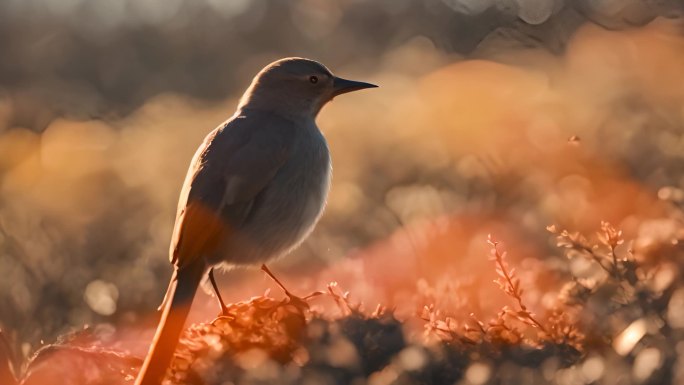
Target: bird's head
{"points": [[296, 87]]}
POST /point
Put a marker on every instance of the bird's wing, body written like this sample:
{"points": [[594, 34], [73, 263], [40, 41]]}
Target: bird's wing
{"points": [[235, 163]]}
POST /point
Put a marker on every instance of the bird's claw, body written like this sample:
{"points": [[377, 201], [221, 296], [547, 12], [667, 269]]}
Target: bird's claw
{"points": [[296, 301]]}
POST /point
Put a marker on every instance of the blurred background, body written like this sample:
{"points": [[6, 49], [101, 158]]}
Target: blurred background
{"points": [[493, 116]]}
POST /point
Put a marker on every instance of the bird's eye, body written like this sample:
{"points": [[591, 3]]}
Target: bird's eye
{"points": [[313, 79]]}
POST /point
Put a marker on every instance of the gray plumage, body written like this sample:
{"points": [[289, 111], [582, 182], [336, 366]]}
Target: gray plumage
{"points": [[267, 177], [255, 189]]}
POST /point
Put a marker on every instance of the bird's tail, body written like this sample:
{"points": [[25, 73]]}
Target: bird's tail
{"points": [[176, 307], [7, 362]]}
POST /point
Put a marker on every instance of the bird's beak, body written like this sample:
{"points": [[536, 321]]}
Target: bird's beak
{"points": [[342, 86]]}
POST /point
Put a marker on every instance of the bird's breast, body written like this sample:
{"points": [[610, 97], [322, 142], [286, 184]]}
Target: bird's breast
{"points": [[308, 174], [287, 210]]}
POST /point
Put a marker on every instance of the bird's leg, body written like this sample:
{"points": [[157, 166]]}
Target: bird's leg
{"points": [[268, 272], [295, 300], [224, 308]]}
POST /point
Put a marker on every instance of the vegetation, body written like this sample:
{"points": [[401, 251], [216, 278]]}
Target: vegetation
{"points": [[619, 326]]}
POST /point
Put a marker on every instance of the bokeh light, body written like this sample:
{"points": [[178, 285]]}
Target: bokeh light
{"points": [[493, 117]]}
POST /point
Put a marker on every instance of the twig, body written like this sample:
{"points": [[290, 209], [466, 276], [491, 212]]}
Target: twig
{"points": [[511, 285]]}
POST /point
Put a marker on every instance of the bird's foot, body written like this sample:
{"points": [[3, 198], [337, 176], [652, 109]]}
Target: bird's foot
{"points": [[294, 300]]}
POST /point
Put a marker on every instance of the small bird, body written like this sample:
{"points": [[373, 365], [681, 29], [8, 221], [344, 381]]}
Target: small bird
{"points": [[255, 188]]}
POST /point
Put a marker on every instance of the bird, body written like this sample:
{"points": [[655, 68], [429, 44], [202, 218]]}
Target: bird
{"points": [[255, 189]]}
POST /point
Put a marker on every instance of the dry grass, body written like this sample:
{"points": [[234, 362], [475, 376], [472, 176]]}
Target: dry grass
{"points": [[620, 311]]}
